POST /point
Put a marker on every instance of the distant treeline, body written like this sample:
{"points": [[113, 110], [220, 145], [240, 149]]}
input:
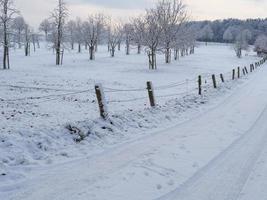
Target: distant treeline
{"points": [[256, 26]]}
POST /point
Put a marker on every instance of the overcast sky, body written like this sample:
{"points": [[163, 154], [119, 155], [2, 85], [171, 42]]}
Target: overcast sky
{"points": [[36, 10]]}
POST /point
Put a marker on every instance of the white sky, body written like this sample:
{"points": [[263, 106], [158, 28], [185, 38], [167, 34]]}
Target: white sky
{"points": [[36, 10]]}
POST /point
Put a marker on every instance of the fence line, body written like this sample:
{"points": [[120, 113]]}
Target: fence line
{"points": [[201, 85]]}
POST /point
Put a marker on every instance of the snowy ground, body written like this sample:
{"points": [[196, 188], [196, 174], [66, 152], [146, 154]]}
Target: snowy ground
{"points": [[138, 156]]}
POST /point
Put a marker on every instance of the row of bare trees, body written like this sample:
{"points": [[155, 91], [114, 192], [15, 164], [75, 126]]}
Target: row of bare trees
{"points": [[162, 29]]}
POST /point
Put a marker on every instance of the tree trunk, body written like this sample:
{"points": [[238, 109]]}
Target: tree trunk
{"points": [[5, 58], [127, 47], [168, 55], [139, 49], [112, 51], [119, 46], [34, 46], [92, 52], [96, 46], [79, 48], [38, 43], [46, 36], [152, 60], [6, 53], [176, 54], [26, 49], [19, 39]]}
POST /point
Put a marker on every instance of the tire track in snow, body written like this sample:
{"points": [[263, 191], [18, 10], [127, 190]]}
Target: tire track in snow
{"points": [[225, 176]]}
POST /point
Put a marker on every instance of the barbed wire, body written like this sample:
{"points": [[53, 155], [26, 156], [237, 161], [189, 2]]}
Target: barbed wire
{"points": [[127, 100], [44, 97], [39, 88], [113, 90]]}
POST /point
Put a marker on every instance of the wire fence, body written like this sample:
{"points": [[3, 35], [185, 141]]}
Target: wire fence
{"points": [[195, 86]]}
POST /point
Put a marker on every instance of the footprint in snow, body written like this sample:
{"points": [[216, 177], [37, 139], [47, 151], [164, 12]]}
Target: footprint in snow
{"points": [[159, 186]]}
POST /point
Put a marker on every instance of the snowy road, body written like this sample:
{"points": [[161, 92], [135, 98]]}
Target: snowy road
{"points": [[225, 176], [214, 156]]}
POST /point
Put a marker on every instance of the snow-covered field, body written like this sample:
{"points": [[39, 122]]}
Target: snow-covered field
{"points": [[138, 156]]}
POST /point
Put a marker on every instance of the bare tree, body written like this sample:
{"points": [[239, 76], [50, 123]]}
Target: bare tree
{"points": [[171, 15], [78, 34], [128, 35], [92, 29], [71, 28], [18, 26], [7, 12], [137, 36], [45, 26], [151, 33], [58, 18], [35, 39], [115, 36], [185, 41]]}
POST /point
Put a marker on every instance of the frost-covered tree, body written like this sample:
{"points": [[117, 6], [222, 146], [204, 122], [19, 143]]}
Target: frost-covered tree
{"points": [[128, 35], [241, 42], [185, 41], [206, 33], [58, 20], [7, 12], [35, 39], [136, 35], [78, 34], [229, 35], [261, 45], [18, 26], [92, 29], [71, 28], [171, 15], [115, 36], [45, 27], [151, 33]]}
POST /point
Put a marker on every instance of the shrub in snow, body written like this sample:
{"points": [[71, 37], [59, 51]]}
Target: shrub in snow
{"points": [[261, 45], [78, 134]]}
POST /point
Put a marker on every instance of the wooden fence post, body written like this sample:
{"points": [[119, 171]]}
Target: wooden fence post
{"points": [[101, 101], [238, 72], [233, 76], [253, 68], [246, 70], [221, 75], [214, 81], [199, 85], [151, 94]]}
